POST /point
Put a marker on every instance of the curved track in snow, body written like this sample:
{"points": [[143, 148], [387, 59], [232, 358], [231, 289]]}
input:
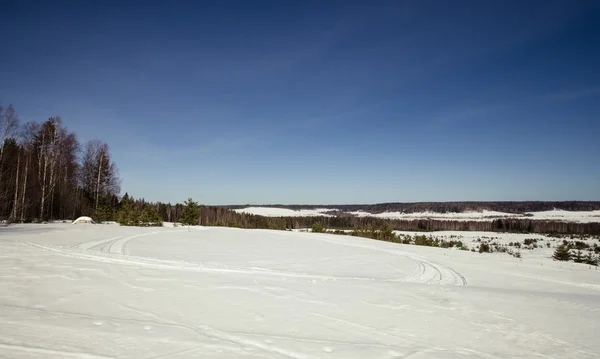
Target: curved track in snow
{"points": [[114, 250]]}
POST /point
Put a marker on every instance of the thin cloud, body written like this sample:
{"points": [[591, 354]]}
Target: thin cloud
{"points": [[461, 115], [576, 94]]}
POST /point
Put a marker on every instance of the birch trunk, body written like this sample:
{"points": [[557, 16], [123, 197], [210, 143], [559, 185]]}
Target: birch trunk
{"points": [[13, 215], [98, 182]]}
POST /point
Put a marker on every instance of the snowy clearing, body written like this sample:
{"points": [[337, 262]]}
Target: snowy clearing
{"points": [[106, 291]]}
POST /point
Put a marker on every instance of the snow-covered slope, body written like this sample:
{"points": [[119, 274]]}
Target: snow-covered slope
{"points": [[108, 291], [485, 215], [283, 212], [569, 216]]}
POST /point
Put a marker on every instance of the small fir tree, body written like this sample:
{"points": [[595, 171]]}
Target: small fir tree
{"points": [[191, 213], [578, 257], [561, 253], [591, 259]]}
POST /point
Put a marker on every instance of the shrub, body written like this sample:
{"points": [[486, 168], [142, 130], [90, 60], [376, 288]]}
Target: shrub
{"points": [[318, 228], [484, 248]]}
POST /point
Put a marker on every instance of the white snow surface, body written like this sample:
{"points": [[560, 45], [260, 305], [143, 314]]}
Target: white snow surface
{"points": [[284, 212], [107, 291], [569, 216]]}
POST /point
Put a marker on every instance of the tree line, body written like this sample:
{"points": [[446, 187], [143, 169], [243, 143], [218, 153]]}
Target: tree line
{"points": [[46, 173]]}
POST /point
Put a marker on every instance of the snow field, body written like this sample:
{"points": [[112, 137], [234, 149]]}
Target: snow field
{"points": [[106, 291], [284, 212]]}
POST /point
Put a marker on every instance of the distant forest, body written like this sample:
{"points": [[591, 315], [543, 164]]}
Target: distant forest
{"points": [[219, 216], [446, 207]]}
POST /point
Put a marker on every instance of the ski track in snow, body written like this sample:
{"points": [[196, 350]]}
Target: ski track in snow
{"points": [[426, 272]]}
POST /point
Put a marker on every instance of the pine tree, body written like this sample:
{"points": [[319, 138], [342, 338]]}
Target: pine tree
{"points": [[191, 213], [150, 217], [561, 253], [128, 215], [591, 260], [578, 257]]}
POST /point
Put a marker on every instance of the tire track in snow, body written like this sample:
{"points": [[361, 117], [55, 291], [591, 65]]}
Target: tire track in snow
{"points": [[48, 353], [156, 321], [428, 272], [117, 258], [95, 244]]}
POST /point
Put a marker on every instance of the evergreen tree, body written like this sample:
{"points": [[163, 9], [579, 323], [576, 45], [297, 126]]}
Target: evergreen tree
{"points": [[578, 257], [191, 213], [561, 253], [128, 214], [590, 259], [150, 217]]}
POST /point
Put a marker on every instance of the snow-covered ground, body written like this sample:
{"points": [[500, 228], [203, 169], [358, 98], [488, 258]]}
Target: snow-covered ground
{"points": [[103, 291], [569, 216], [540, 249], [485, 215], [284, 212]]}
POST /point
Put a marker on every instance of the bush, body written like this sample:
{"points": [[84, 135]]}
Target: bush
{"points": [[484, 248], [529, 241], [318, 228]]}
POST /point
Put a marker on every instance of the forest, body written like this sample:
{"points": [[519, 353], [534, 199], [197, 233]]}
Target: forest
{"points": [[47, 173]]}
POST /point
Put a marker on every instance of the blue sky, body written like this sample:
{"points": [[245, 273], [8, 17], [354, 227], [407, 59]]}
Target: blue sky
{"points": [[236, 102]]}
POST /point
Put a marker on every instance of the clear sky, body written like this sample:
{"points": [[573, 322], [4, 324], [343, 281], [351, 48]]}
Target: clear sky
{"points": [[320, 102]]}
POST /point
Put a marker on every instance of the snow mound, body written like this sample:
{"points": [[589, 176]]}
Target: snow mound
{"points": [[83, 220]]}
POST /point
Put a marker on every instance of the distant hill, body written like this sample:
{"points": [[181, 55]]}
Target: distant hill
{"points": [[516, 207]]}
